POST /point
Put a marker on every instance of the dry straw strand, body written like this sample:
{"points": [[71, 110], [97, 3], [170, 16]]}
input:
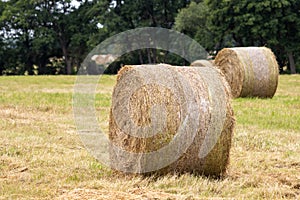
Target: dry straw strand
{"points": [[250, 71], [202, 63], [157, 110]]}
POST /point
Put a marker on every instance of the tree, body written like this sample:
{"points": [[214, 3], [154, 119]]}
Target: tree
{"points": [[261, 23], [289, 32], [121, 15], [57, 16], [34, 31], [193, 21], [72, 27], [17, 26], [2, 6]]}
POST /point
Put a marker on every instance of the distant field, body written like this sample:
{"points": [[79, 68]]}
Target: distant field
{"points": [[42, 157]]}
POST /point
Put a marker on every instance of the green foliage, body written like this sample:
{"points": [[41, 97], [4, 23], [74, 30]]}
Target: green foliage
{"points": [[118, 16], [123, 15], [17, 26], [38, 31], [193, 21], [275, 24], [34, 32]]}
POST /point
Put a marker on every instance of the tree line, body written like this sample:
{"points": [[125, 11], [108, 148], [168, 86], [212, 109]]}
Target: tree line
{"points": [[54, 36]]}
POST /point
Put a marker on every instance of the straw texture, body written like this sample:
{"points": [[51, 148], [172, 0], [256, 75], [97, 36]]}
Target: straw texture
{"points": [[202, 63], [168, 119], [250, 71]]}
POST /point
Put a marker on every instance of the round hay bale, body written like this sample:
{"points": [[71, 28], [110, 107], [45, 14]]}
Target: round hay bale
{"points": [[202, 63], [250, 71], [170, 120]]}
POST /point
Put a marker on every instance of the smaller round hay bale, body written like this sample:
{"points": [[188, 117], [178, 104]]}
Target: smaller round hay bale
{"points": [[170, 120], [202, 63], [250, 71]]}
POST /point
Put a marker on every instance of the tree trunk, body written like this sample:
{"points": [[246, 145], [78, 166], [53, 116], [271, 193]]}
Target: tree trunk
{"points": [[141, 56], [68, 61], [149, 56], [28, 62], [292, 63], [68, 66], [42, 65], [154, 56], [1, 69], [29, 67]]}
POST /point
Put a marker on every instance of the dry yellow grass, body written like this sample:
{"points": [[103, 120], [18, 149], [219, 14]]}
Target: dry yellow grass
{"points": [[42, 157]]}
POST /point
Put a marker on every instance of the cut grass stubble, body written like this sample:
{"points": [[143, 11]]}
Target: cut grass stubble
{"points": [[41, 156]]}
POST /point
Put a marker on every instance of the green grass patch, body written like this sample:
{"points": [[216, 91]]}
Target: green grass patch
{"points": [[42, 157]]}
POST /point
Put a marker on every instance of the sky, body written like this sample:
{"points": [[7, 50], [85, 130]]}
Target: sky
{"points": [[75, 3]]}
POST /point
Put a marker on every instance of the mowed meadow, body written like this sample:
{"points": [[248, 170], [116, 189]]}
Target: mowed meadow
{"points": [[42, 157]]}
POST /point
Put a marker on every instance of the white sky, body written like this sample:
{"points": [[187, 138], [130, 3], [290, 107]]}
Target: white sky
{"points": [[75, 3]]}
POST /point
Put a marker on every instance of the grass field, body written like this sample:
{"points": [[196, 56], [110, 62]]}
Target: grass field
{"points": [[42, 157]]}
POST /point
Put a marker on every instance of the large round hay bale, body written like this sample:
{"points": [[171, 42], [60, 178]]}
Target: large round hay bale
{"points": [[170, 119], [202, 63], [250, 71]]}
